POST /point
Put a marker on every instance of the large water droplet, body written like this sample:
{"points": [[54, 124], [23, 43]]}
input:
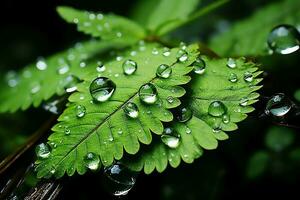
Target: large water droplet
{"points": [[199, 66], [148, 93], [131, 110], [284, 39], [129, 67], [182, 55], [248, 77], [233, 78], [118, 179], [170, 138], [231, 63], [102, 88], [217, 109], [92, 161], [278, 105], [42, 151], [164, 71], [80, 111], [184, 114]]}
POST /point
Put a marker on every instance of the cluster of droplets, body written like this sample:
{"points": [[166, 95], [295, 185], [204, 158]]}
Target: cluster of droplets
{"points": [[218, 110], [284, 39]]}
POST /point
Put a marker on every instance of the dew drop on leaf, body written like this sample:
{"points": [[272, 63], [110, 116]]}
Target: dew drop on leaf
{"points": [[184, 114], [226, 119], [248, 77], [244, 101], [42, 151], [129, 67], [118, 179], [233, 78], [278, 105], [63, 69], [182, 55], [80, 111], [131, 110], [100, 67], [188, 130], [164, 71], [12, 79], [231, 63], [92, 161], [148, 93], [166, 52], [52, 107], [101, 89], [70, 83], [41, 64], [170, 138], [170, 99], [67, 131], [35, 88], [199, 66], [217, 109], [154, 51], [284, 39]]}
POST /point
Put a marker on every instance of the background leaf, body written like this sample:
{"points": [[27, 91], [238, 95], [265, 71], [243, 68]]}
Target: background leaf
{"points": [[279, 138], [248, 37], [203, 130]]}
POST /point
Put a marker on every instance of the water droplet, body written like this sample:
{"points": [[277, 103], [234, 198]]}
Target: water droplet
{"points": [[41, 64], [80, 111], [133, 53], [53, 145], [244, 101], [42, 151], [278, 105], [170, 99], [226, 119], [67, 131], [129, 67], [63, 69], [70, 83], [131, 110], [170, 138], [166, 52], [75, 21], [164, 71], [100, 16], [119, 34], [184, 114], [284, 39], [118, 179], [216, 109], [199, 66], [36, 87], [120, 132], [92, 16], [233, 78], [12, 79], [248, 77], [52, 107], [102, 88], [92, 161], [154, 51], [231, 63], [119, 58], [182, 55], [188, 130], [148, 93], [82, 64], [53, 170], [182, 45], [100, 67]]}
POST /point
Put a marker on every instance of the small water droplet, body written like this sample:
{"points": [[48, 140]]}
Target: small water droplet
{"points": [[42, 151], [53, 145], [36, 87], [226, 119], [182, 55], [284, 39], [199, 66], [148, 93], [67, 131], [52, 107], [92, 161], [100, 67], [278, 105], [131, 110], [183, 114], [166, 52], [133, 53], [231, 63], [119, 58], [92, 16], [41, 64], [170, 99], [182, 45], [82, 64], [100, 16], [129, 67], [12, 79], [53, 170], [102, 88], [120, 132], [75, 21], [119, 34], [70, 83], [216, 109], [164, 71], [63, 69], [170, 138], [248, 77], [154, 51], [118, 179], [188, 130], [233, 78], [244, 101], [80, 111]]}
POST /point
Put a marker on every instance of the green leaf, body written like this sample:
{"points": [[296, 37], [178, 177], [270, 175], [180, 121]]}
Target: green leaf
{"points": [[297, 95], [170, 10], [108, 27], [257, 164], [200, 131], [249, 36], [105, 129], [279, 138], [31, 86]]}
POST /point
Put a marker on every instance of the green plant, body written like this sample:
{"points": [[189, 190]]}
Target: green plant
{"points": [[133, 94]]}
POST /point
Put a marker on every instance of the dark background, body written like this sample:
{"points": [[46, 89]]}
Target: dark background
{"points": [[32, 28]]}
